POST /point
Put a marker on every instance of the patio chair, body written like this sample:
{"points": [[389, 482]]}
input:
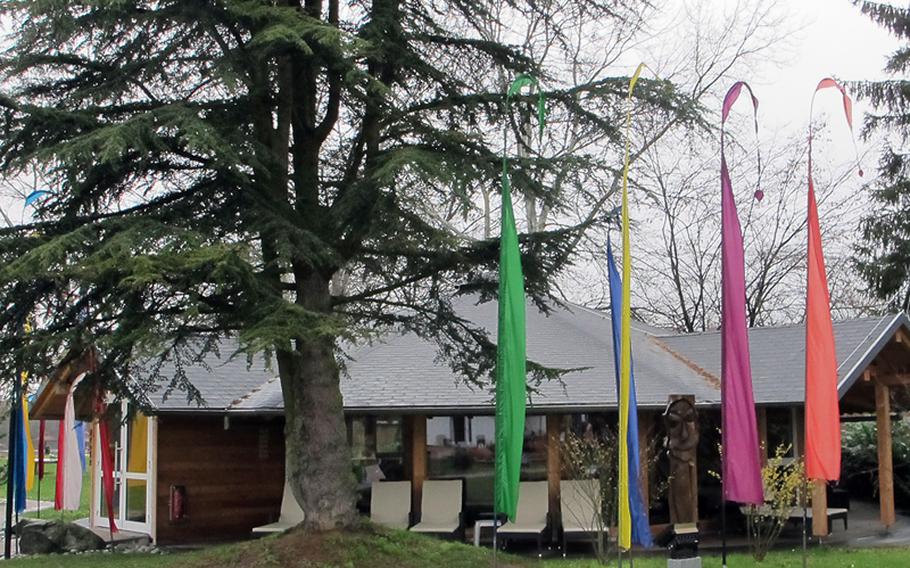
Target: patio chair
{"points": [[833, 514], [532, 517], [291, 515], [390, 504], [442, 508], [579, 508]]}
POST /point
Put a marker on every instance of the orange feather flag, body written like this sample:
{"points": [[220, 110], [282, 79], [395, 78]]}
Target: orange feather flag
{"points": [[823, 443]]}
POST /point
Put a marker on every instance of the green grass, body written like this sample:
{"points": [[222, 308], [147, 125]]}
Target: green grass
{"points": [[48, 491], [99, 560], [376, 548]]}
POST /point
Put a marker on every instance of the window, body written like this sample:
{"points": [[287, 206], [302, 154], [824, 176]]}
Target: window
{"points": [[464, 447], [780, 431], [376, 448]]}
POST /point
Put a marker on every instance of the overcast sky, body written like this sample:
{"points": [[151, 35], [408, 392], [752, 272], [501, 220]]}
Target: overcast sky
{"points": [[832, 39]]}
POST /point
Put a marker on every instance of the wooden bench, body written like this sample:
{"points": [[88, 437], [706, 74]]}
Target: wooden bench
{"points": [[834, 513], [796, 514]]}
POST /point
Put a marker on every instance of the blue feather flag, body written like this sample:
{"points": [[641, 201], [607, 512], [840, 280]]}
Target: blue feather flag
{"points": [[641, 529]]}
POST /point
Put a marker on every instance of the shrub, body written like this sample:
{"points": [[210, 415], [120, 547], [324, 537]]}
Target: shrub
{"points": [[860, 460], [783, 482]]}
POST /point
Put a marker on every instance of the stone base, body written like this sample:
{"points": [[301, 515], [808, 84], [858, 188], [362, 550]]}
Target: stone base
{"points": [[684, 562]]}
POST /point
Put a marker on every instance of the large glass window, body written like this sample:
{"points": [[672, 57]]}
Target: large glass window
{"points": [[780, 431], [464, 447], [377, 450]]}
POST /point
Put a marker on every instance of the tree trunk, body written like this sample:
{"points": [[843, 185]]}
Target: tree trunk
{"points": [[318, 458]]}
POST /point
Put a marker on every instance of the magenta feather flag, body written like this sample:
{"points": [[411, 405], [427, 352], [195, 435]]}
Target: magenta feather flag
{"points": [[741, 454]]}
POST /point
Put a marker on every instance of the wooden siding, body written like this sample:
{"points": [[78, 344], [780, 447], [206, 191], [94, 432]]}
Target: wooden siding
{"points": [[233, 478]]}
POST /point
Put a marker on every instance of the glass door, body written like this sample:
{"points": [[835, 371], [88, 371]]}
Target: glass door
{"points": [[131, 448]]}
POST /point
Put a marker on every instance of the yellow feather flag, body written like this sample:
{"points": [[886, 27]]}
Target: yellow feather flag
{"points": [[29, 446], [625, 358]]}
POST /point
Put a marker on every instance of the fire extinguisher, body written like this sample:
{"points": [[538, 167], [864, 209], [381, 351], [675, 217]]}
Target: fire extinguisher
{"points": [[177, 502]]}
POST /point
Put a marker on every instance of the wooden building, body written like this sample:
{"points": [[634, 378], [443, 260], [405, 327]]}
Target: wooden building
{"points": [[191, 473]]}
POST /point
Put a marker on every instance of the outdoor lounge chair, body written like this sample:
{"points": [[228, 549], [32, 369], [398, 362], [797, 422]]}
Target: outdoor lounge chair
{"points": [[291, 515], [390, 504], [441, 508], [532, 517], [579, 508], [834, 513]]}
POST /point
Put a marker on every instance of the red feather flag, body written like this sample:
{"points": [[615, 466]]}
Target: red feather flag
{"points": [[107, 460], [41, 436], [823, 443]]}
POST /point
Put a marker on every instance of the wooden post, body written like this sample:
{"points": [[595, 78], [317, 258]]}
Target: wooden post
{"points": [[554, 466], [645, 427], [885, 464], [762, 419], [418, 460], [799, 431], [819, 507]]}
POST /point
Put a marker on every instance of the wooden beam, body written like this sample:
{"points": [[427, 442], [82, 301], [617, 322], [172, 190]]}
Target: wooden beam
{"points": [[885, 463], [893, 379], [645, 427], [761, 416], [799, 431], [418, 460], [819, 507], [554, 467]]}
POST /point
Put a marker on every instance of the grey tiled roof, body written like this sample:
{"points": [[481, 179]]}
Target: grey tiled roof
{"points": [[221, 379], [778, 354], [403, 372]]}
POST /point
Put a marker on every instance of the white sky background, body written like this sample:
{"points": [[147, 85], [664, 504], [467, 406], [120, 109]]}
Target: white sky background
{"points": [[828, 38], [823, 38], [833, 39]]}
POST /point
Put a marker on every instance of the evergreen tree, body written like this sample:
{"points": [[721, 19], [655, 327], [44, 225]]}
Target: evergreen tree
{"points": [[218, 167], [883, 255]]}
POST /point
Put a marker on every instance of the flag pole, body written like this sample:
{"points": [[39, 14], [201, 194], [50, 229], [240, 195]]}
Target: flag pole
{"points": [[805, 519], [723, 525], [495, 522], [619, 524], [12, 454]]}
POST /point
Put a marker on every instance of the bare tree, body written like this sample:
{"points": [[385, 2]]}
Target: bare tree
{"points": [[699, 50], [684, 262]]}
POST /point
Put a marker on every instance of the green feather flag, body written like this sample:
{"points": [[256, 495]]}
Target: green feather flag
{"points": [[511, 384]]}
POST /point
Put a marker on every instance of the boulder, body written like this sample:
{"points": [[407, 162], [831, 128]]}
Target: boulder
{"points": [[38, 536], [36, 542], [80, 539]]}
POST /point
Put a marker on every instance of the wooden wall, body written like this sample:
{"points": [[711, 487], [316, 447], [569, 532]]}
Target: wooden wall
{"points": [[234, 478]]}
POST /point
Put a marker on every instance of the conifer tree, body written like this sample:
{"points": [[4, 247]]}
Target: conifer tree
{"points": [[218, 167], [883, 255]]}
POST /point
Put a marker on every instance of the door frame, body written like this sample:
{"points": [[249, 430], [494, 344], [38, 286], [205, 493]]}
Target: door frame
{"points": [[97, 508]]}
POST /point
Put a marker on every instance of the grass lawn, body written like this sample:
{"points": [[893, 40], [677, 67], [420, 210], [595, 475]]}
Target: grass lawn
{"points": [[48, 490], [377, 548]]}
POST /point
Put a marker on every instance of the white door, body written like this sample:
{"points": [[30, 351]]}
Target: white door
{"points": [[131, 447]]}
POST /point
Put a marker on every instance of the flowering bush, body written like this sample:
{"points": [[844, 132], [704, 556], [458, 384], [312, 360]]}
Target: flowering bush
{"points": [[783, 481], [860, 460]]}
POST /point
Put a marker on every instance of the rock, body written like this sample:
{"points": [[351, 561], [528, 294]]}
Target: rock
{"points": [[25, 523], [81, 539], [48, 537], [36, 542]]}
